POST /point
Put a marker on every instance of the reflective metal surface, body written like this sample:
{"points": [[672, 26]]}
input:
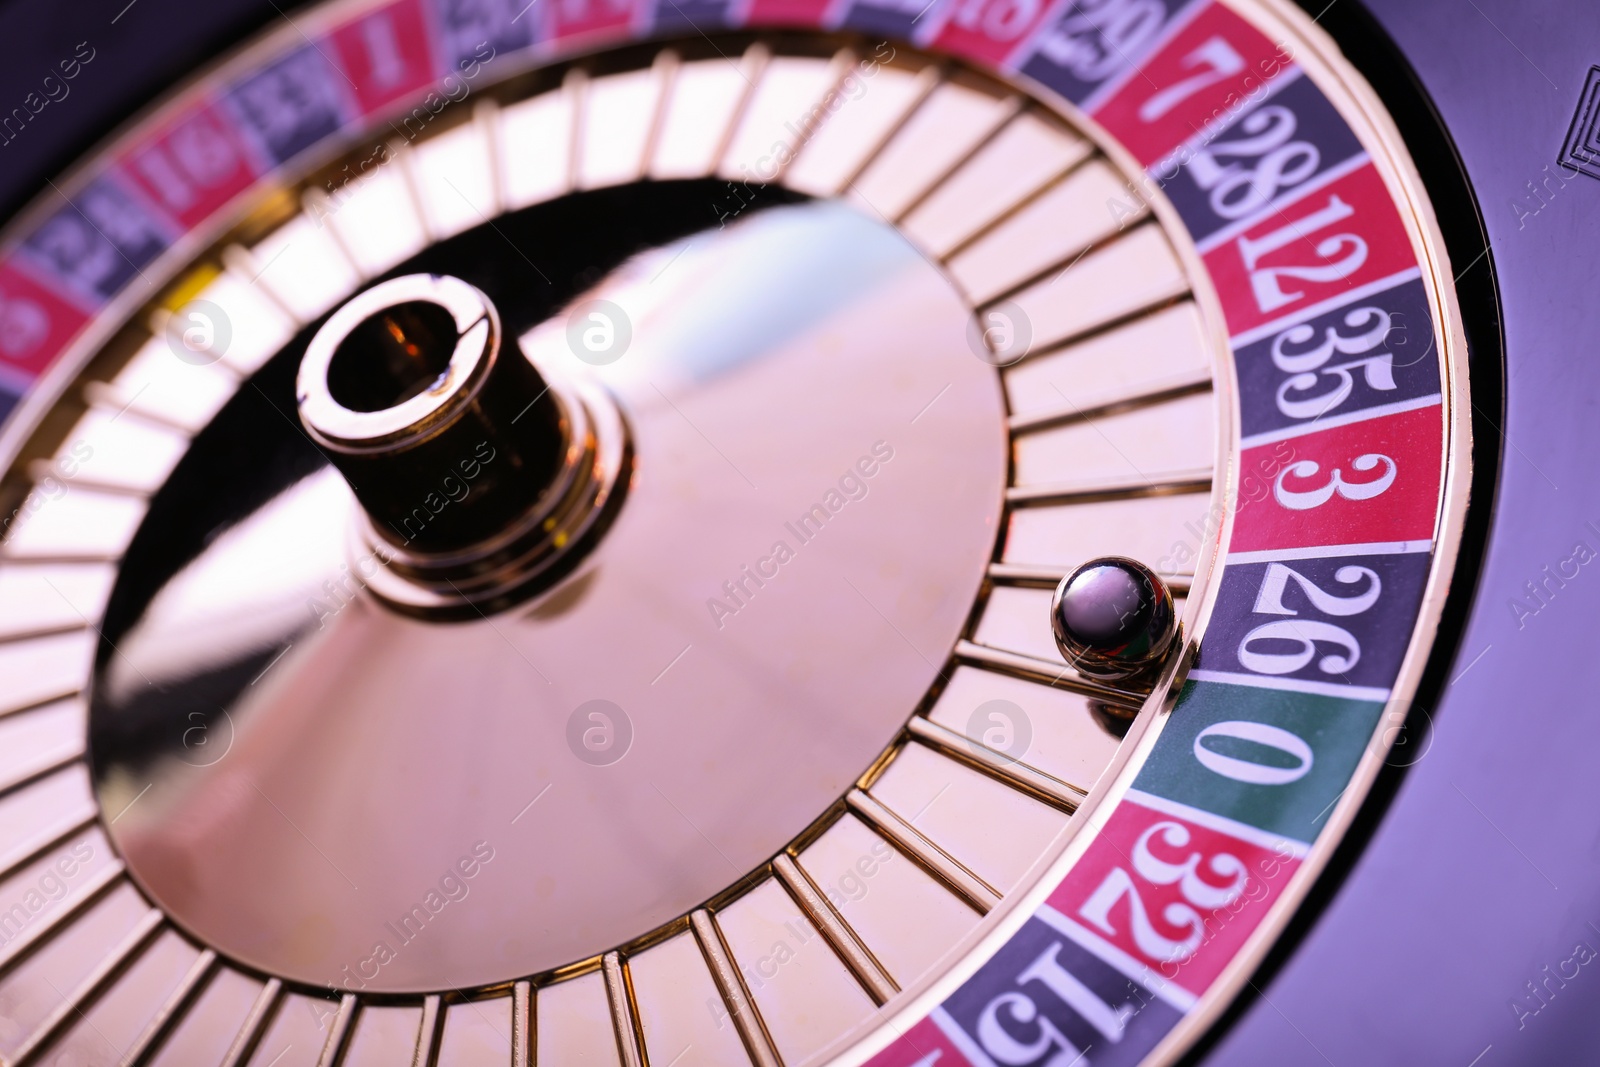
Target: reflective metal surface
{"points": [[314, 784], [481, 482]]}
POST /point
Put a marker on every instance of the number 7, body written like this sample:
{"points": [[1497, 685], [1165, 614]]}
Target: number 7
{"points": [[1217, 54]]}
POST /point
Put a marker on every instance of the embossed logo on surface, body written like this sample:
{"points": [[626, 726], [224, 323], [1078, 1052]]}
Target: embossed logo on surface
{"points": [[1582, 150]]}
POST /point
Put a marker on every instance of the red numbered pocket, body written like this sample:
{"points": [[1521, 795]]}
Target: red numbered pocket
{"points": [[191, 167], [1370, 482], [571, 19], [987, 31], [923, 1045], [1176, 896], [35, 323], [786, 12], [1209, 68], [386, 54], [1334, 239]]}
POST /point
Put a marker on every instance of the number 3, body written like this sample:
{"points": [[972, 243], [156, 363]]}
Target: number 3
{"points": [[1305, 501]]}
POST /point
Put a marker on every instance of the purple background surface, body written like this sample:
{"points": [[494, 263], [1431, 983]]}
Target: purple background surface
{"points": [[1485, 868]]}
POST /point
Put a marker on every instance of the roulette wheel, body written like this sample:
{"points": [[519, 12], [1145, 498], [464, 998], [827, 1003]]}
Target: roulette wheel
{"points": [[632, 532]]}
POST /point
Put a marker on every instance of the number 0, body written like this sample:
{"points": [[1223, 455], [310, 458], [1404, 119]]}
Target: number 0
{"points": [[1248, 771]]}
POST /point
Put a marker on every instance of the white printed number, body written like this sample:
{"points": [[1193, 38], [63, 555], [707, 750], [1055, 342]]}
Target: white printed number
{"points": [[1021, 1011], [193, 160], [1248, 771], [387, 68], [1342, 253], [1216, 60], [1093, 41], [1296, 500], [1269, 601], [1197, 893], [1307, 633], [23, 327], [1237, 190], [1372, 325]]}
